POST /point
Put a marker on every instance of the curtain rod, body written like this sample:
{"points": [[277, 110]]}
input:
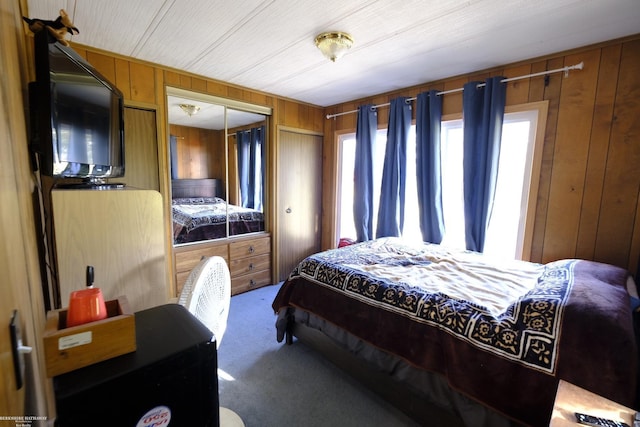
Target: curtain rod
{"points": [[566, 70]]}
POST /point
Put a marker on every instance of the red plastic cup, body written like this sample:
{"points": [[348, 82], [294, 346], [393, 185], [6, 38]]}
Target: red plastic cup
{"points": [[86, 305]]}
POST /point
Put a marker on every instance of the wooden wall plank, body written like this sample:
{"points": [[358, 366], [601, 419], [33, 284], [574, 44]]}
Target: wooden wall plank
{"points": [[184, 153], [200, 156], [185, 81], [79, 50], [482, 76], [598, 148], [142, 83], [123, 77], [171, 78], [622, 180], [21, 288], [200, 152], [260, 99], [329, 180], [199, 85], [195, 152], [537, 84], [235, 93], [283, 112], [452, 103], [551, 94], [181, 146], [217, 89], [104, 64], [217, 163], [312, 117], [577, 99], [291, 114], [141, 149], [517, 90], [347, 121]]}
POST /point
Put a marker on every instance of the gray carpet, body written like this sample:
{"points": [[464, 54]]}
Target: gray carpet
{"points": [[271, 384]]}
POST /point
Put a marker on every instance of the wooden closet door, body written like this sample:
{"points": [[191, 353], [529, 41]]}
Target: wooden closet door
{"points": [[299, 198], [140, 149]]}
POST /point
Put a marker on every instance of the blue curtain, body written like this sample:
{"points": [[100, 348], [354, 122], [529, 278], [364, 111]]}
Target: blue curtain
{"points": [[243, 147], [366, 129], [261, 170], [250, 150], [256, 166], [482, 116], [428, 167], [394, 172], [173, 150]]}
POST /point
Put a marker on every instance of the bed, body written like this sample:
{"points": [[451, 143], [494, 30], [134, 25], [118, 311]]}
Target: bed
{"points": [[199, 212], [458, 338]]}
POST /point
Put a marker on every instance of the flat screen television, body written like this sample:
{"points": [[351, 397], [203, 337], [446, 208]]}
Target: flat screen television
{"points": [[76, 116]]}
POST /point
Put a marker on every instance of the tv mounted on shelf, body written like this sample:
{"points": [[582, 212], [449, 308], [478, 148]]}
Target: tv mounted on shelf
{"points": [[76, 117]]}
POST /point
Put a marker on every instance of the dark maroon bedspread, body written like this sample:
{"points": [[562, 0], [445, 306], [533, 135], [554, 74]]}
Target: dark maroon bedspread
{"points": [[595, 347], [204, 218]]}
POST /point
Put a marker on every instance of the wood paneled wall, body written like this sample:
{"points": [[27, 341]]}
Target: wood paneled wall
{"points": [[200, 152], [588, 202], [21, 282]]}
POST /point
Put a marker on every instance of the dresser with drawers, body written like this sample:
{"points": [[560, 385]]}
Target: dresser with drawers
{"points": [[248, 258]]}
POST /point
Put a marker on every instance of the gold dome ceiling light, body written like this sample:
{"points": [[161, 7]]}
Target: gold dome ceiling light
{"points": [[190, 109], [334, 44]]}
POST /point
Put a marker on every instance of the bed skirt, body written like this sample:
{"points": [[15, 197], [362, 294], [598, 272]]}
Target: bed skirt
{"points": [[424, 396]]}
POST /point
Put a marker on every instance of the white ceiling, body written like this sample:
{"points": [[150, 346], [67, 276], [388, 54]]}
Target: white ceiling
{"points": [[268, 45]]}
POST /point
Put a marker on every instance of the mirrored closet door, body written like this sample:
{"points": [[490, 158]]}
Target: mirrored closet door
{"points": [[218, 160]]}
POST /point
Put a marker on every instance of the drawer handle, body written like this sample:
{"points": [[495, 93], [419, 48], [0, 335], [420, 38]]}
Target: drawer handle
{"points": [[252, 283], [251, 250], [250, 266]]}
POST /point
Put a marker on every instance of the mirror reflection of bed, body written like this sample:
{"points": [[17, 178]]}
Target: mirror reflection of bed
{"points": [[200, 212]]}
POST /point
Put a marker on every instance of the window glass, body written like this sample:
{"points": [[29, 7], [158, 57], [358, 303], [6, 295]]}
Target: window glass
{"points": [[506, 226]]}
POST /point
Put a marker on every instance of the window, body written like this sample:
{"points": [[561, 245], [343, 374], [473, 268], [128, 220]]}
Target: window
{"points": [[515, 194], [347, 160]]}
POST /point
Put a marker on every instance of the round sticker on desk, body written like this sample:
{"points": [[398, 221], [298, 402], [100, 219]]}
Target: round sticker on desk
{"points": [[156, 417]]}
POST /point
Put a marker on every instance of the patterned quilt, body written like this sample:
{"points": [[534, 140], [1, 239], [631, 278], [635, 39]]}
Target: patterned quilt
{"points": [[192, 213], [502, 332], [204, 218], [518, 320]]}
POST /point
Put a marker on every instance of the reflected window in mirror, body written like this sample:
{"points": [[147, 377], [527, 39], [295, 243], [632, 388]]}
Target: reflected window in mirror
{"points": [[250, 165]]}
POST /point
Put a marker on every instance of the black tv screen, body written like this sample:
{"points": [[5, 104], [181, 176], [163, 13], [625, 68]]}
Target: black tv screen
{"points": [[78, 116]]}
